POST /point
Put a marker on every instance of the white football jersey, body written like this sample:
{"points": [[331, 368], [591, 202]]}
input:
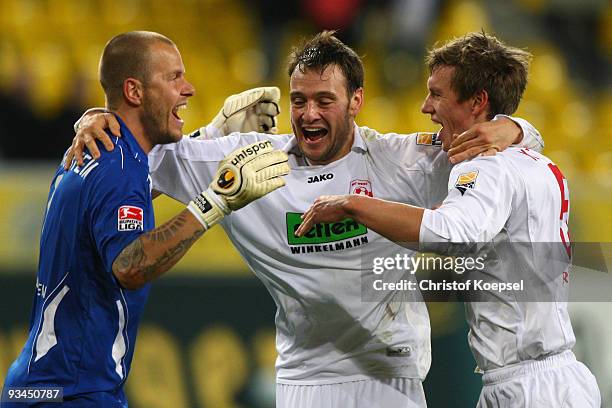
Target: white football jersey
{"points": [[325, 331], [514, 207]]}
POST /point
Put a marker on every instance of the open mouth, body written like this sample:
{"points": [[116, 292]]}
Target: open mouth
{"points": [[439, 123], [176, 109], [313, 134]]}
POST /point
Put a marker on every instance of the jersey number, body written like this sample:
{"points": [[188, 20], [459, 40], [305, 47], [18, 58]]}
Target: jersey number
{"points": [[564, 214]]}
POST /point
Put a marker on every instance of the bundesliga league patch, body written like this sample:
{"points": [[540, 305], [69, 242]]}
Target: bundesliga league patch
{"points": [[466, 180], [129, 218], [428, 139]]}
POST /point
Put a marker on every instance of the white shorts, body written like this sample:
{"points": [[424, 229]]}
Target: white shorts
{"points": [[558, 381], [375, 393]]}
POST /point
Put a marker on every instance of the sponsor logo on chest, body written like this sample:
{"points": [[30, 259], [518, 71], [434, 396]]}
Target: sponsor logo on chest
{"points": [[325, 237], [130, 218]]}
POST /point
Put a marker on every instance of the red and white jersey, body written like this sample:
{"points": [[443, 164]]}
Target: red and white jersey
{"points": [[325, 331], [518, 203]]}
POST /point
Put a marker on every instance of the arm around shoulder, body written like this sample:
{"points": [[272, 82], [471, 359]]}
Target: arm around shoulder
{"points": [[530, 137]]}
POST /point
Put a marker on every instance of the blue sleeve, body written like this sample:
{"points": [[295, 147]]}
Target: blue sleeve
{"points": [[118, 203]]}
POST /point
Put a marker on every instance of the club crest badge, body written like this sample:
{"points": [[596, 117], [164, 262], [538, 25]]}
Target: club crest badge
{"points": [[361, 187]]}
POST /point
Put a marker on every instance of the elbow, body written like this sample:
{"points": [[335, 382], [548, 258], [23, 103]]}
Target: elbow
{"points": [[448, 235], [130, 268], [465, 234], [130, 279]]}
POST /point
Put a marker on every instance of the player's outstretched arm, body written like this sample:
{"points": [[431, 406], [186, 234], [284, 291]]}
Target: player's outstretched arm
{"points": [[245, 175], [471, 213], [156, 251], [254, 110], [395, 221]]}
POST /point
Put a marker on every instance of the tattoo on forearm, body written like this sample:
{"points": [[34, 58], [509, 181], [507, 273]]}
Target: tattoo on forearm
{"points": [[134, 256], [171, 256], [167, 231]]}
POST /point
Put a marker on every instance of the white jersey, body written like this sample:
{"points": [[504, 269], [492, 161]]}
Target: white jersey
{"points": [[518, 203], [325, 333]]}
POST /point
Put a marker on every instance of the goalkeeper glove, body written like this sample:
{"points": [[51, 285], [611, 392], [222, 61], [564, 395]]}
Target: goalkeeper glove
{"points": [[246, 174], [254, 110]]}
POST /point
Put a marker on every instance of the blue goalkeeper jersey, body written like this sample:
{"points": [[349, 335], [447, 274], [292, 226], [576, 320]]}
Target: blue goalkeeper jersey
{"points": [[83, 323]]}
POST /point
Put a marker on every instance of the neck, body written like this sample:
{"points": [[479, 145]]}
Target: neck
{"points": [[132, 120], [480, 118], [483, 116], [340, 154], [346, 149]]}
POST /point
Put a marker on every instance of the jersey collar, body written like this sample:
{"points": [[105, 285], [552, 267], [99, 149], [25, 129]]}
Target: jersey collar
{"points": [[131, 142]]}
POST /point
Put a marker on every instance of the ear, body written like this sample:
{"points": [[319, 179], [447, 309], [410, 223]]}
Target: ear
{"points": [[356, 102], [133, 91], [480, 103]]}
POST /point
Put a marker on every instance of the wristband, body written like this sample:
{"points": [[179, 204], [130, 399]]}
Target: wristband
{"points": [[208, 208]]}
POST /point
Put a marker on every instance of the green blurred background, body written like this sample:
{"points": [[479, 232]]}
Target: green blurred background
{"points": [[207, 340]]}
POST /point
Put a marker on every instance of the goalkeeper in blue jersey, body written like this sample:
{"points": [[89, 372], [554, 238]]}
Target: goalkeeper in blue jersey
{"points": [[99, 249]]}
